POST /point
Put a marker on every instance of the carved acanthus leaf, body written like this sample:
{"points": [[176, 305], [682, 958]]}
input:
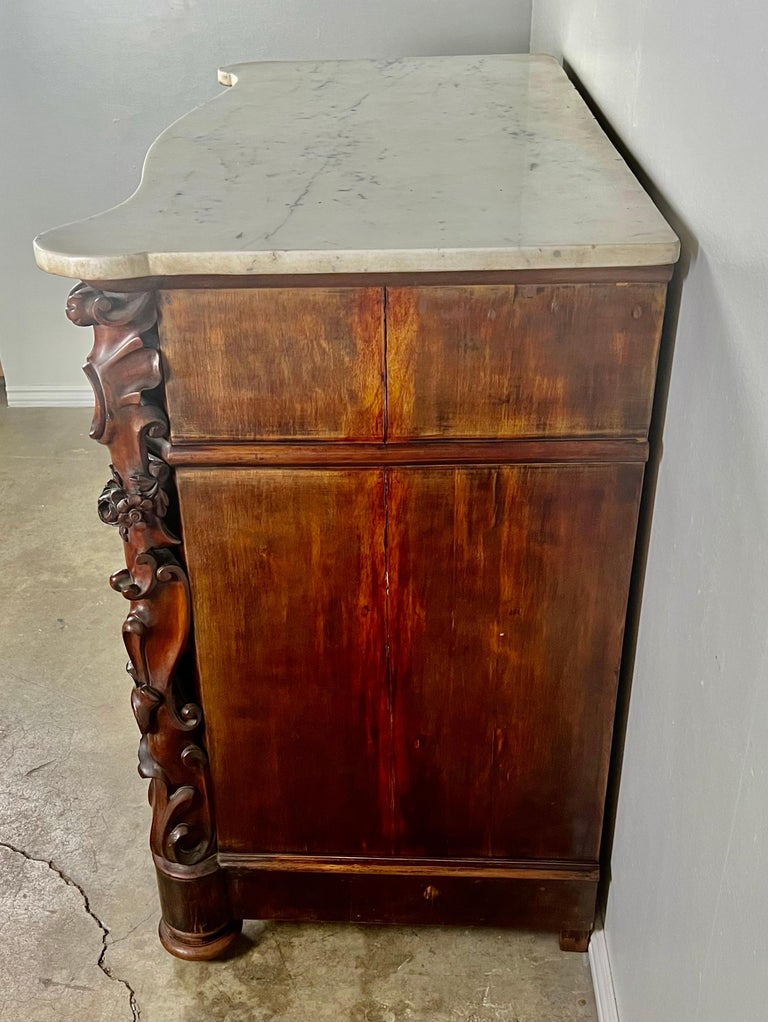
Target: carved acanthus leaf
{"points": [[125, 371], [170, 753], [87, 306]]}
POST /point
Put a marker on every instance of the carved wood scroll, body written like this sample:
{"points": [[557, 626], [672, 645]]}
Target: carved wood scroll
{"points": [[125, 372]]}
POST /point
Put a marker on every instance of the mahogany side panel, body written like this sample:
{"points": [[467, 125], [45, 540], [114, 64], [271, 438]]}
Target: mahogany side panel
{"points": [[508, 588], [289, 600], [553, 360], [407, 548], [274, 363]]}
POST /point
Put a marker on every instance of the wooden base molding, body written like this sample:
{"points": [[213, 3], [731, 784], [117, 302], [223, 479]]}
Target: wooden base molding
{"points": [[407, 899], [479, 869]]}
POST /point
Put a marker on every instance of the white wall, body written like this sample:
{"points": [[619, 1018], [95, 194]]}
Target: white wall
{"points": [[685, 85], [87, 85]]}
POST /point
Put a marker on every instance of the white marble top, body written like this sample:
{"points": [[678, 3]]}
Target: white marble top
{"points": [[418, 164]]}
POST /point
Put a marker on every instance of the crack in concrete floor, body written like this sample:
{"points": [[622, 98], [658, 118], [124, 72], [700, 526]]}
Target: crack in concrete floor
{"points": [[70, 882], [61, 694]]}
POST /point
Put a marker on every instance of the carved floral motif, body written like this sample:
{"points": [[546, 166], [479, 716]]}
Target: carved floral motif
{"points": [[138, 505], [125, 372]]}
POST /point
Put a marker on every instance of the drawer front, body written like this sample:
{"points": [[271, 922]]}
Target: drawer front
{"points": [[274, 363], [522, 360]]}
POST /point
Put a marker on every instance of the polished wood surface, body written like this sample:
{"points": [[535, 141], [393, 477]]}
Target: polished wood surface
{"points": [[526, 360], [424, 452], [125, 372], [289, 602], [526, 902], [471, 616], [487, 868], [402, 514], [507, 599], [274, 363]]}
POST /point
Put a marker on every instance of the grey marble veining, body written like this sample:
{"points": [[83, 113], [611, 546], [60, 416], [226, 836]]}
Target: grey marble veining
{"points": [[418, 164]]}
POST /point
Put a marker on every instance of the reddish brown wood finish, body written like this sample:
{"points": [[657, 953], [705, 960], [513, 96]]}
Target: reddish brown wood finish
{"points": [[536, 895], [288, 595], [408, 522], [575, 940], [493, 660], [122, 365], [196, 921], [424, 452], [529, 360], [274, 363], [433, 868], [507, 599], [527, 902]]}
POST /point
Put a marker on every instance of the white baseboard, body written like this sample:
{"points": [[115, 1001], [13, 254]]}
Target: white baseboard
{"points": [[602, 978], [49, 397]]}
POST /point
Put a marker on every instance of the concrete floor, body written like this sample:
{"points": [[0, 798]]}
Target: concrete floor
{"points": [[78, 906]]}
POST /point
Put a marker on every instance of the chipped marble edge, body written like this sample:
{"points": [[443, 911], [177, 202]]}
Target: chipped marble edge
{"points": [[171, 264]]}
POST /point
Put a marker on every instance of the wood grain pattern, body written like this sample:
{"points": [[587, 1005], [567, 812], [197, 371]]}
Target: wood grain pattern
{"points": [[526, 902], [274, 363], [488, 869], [408, 606], [527, 360], [508, 590], [500, 594], [288, 598], [425, 452]]}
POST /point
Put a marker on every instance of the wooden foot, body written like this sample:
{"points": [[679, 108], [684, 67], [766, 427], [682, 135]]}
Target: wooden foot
{"points": [[197, 921], [574, 940], [198, 947]]}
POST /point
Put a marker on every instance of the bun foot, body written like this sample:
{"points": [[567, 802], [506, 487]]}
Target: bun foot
{"points": [[574, 940], [199, 947], [196, 918]]}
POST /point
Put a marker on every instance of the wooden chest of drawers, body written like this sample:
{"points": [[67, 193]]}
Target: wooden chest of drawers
{"points": [[379, 530]]}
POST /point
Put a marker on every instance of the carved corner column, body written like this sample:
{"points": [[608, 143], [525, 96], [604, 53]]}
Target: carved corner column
{"points": [[125, 373]]}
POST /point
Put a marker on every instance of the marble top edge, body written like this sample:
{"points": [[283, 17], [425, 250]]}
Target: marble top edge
{"points": [[473, 163], [134, 266], [229, 72]]}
